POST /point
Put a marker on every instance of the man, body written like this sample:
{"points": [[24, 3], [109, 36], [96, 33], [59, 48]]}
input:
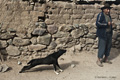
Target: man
{"points": [[104, 33]]}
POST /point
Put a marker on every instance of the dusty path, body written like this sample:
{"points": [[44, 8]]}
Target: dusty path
{"points": [[85, 69]]}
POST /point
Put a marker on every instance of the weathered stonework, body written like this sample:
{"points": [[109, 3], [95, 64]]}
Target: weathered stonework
{"points": [[27, 30]]}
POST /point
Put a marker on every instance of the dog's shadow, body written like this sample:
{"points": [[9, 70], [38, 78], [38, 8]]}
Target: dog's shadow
{"points": [[50, 67]]}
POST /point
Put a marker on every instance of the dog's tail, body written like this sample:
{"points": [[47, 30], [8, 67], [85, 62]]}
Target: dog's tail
{"points": [[30, 62]]}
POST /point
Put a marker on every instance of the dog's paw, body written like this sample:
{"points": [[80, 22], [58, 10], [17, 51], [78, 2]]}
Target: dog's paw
{"points": [[61, 70], [20, 71], [56, 72]]}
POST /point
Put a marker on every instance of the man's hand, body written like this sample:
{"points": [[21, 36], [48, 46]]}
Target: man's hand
{"points": [[109, 23]]}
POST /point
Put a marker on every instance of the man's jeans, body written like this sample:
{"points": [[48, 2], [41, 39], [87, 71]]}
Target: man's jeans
{"points": [[104, 46]]}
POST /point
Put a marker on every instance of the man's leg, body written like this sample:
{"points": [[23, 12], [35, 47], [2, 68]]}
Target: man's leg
{"points": [[101, 51], [108, 48]]}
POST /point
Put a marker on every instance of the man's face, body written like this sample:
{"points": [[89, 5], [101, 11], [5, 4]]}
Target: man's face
{"points": [[106, 11]]}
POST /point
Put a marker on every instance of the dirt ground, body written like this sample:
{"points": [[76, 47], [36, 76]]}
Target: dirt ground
{"points": [[78, 66]]}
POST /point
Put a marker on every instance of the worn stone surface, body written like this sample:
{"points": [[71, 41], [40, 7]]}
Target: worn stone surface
{"points": [[36, 47], [115, 35], [6, 36], [13, 50], [46, 39], [66, 28], [89, 41], [52, 45], [92, 36], [61, 34], [20, 42], [77, 33], [3, 44], [34, 40], [42, 25], [38, 31], [52, 29]]}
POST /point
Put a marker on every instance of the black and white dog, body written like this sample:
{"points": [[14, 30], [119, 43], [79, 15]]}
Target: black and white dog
{"points": [[50, 59]]}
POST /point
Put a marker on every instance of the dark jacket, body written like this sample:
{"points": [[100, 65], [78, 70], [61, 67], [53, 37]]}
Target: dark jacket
{"points": [[102, 24]]}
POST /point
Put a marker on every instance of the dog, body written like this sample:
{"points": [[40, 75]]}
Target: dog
{"points": [[50, 59]]}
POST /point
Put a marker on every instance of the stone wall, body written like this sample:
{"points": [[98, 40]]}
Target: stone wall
{"points": [[36, 30]]}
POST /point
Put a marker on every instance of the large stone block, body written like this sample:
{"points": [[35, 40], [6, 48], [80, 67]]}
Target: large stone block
{"points": [[21, 42], [89, 10], [60, 34], [55, 11], [29, 8], [39, 31], [49, 22], [52, 45], [52, 29], [41, 9], [45, 39], [61, 40], [88, 6], [88, 16], [117, 7], [89, 41], [69, 22], [76, 21], [114, 16], [80, 7], [77, 33], [25, 13], [6, 36], [3, 44], [53, 17], [36, 47], [66, 16], [66, 28], [77, 11], [37, 14], [13, 50], [65, 11], [68, 6], [77, 16], [115, 35]]}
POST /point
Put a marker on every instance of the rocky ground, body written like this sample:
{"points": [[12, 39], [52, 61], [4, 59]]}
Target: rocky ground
{"points": [[78, 66]]}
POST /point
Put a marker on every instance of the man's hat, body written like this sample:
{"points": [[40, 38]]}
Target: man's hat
{"points": [[106, 5]]}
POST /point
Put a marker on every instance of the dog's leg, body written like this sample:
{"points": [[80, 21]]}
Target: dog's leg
{"points": [[59, 67], [55, 69], [26, 68]]}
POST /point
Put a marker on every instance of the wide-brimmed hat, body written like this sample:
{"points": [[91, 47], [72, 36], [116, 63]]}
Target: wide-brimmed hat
{"points": [[106, 5]]}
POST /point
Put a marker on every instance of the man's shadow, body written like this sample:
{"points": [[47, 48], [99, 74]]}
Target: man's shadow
{"points": [[114, 53]]}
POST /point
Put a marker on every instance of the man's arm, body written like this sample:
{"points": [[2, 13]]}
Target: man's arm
{"points": [[100, 23]]}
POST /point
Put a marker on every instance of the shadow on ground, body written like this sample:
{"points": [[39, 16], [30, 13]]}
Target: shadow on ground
{"points": [[114, 53]]}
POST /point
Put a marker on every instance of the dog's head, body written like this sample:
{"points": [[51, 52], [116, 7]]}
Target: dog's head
{"points": [[59, 53], [62, 51]]}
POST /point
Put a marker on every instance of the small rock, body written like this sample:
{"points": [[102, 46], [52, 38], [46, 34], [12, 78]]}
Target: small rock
{"points": [[5, 68], [19, 62], [73, 65]]}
